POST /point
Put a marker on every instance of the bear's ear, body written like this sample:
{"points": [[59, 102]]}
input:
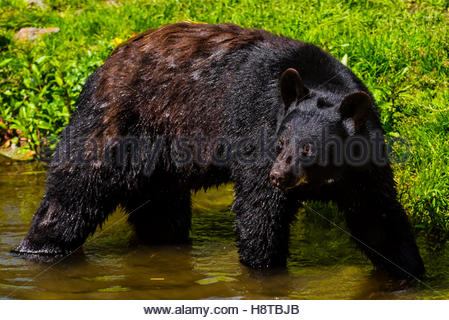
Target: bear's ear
{"points": [[292, 87], [355, 107]]}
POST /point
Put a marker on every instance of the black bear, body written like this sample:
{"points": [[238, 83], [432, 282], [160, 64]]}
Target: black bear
{"points": [[189, 106]]}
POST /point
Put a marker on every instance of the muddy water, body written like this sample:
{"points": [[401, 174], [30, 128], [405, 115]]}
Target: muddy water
{"points": [[324, 264]]}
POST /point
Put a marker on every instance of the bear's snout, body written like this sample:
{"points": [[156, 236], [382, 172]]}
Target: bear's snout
{"points": [[285, 176], [276, 177]]}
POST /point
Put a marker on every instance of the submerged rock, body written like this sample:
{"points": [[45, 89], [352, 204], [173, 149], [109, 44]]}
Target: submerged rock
{"points": [[15, 153]]}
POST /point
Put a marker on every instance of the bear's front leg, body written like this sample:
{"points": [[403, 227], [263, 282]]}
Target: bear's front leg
{"points": [[380, 227], [263, 216]]}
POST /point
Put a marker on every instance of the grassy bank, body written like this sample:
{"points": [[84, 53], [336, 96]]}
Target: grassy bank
{"points": [[399, 48]]}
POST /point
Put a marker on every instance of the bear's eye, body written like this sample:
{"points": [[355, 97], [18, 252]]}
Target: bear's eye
{"points": [[282, 141], [280, 144], [307, 149], [321, 103]]}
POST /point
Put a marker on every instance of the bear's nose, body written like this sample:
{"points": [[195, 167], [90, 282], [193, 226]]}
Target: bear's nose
{"points": [[276, 177]]}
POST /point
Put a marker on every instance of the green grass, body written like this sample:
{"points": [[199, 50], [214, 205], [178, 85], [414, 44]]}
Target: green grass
{"points": [[399, 49]]}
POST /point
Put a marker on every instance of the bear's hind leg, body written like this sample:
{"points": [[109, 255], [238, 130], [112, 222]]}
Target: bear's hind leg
{"points": [[161, 217], [76, 201]]}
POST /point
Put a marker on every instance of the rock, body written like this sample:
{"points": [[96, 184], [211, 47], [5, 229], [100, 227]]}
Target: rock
{"points": [[36, 3], [14, 153], [31, 34]]}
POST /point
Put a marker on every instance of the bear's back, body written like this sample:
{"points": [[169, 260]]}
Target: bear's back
{"points": [[180, 78], [172, 79]]}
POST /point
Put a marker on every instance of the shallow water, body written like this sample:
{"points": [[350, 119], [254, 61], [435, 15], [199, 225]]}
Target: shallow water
{"points": [[324, 264]]}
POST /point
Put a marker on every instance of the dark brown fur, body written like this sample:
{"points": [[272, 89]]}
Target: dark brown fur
{"points": [[162, 64]]}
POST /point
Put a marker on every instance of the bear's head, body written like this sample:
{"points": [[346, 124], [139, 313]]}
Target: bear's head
{"points": [[313, 131]]}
